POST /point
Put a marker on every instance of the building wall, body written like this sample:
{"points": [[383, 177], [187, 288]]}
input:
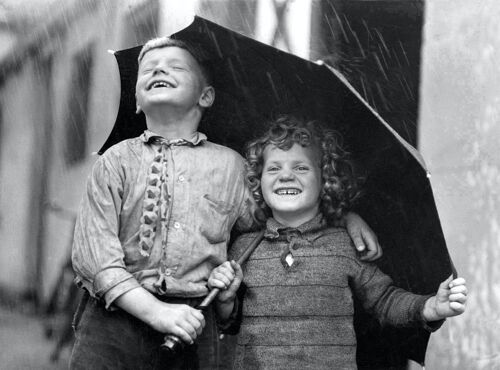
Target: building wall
{"points": [[67, 178], [56, 112], [459, 137], [19, 105]]}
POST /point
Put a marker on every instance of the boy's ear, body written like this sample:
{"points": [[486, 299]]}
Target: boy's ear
{"points": [[137, 106], [207, 97]]}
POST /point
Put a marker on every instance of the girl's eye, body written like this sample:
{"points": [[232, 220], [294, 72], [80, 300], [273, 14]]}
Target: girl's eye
{"points": [[302, 168], [272, 169], [178, 68]]}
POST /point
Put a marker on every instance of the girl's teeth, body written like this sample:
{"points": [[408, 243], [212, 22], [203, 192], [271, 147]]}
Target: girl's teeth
{"points": [[288, 192]]}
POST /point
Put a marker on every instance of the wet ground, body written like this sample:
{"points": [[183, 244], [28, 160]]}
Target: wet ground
{"points": [[23, 343]]}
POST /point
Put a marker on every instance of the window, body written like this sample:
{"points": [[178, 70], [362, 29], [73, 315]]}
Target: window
{"points": [[77, 122], [143, 23]]}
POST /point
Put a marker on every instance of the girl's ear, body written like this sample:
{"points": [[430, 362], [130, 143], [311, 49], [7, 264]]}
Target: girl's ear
{"points": [[207, 97]]}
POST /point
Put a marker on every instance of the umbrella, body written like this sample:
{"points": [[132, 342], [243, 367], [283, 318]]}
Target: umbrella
{"points": [[255, 82]]}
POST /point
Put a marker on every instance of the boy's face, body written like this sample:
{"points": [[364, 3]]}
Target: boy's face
{"points": [[291, 183], [170, 75]]}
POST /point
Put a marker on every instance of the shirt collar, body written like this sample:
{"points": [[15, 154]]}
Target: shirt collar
{"points": [[148, 136], [275, 230]]}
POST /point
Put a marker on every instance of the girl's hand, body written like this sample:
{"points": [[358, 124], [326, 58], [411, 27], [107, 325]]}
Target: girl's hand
{"points": [[450, 300], [227, 277]]}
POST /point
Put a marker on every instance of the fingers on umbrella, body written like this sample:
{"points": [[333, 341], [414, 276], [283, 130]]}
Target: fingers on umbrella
{"points": [[224, 278], [459, 289], [237, 269], [459, 297], [457, 282], [190, 326], [457, 307], [447, 283]]}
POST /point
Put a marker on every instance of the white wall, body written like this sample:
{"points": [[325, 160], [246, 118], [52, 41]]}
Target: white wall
{"points": [[460, 137], [18, 100], [30, 108]]}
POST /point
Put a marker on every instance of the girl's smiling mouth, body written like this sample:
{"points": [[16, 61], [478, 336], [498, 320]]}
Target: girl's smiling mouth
{"points": [[288, 191]]}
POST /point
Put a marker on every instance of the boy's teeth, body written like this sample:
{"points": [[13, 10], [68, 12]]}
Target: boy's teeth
{"points": [[161, 84]]}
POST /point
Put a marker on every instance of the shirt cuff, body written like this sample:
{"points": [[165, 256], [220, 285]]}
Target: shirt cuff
{"points": [[111, 283]]}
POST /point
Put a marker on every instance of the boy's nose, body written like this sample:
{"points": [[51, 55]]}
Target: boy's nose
{"points": [[160, 69]]}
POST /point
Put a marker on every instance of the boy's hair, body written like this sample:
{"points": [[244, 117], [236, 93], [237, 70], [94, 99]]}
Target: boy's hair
{"points": [[339, 185], [198, 53]]}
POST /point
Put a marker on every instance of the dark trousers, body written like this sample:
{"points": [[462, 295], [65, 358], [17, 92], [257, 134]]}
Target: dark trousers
{"points": [[117, 340]]}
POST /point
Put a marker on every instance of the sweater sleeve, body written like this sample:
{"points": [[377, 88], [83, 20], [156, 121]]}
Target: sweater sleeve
{"points": [[389, 304]]}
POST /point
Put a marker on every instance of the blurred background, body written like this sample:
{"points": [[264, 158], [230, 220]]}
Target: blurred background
{"points": [[428, 67]]}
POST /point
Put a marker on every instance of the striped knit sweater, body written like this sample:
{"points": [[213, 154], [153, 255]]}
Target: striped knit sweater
{"points": [[298, 307]]}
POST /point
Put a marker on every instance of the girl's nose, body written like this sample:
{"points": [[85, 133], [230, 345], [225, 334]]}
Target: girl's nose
{"points": [[286, 176]]}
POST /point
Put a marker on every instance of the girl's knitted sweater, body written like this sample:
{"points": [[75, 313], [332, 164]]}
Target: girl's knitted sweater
{"points": [[298, 306]]}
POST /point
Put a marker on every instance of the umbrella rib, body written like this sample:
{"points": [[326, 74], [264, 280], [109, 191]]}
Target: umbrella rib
{"points": [[409, 147]]}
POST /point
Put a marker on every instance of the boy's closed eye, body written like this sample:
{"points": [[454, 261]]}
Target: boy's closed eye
{"points": [[178, 67], [146, 70]]}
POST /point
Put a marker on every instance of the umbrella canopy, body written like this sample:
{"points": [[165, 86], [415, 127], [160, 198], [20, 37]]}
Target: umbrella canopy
{"points": [[255, 82]]}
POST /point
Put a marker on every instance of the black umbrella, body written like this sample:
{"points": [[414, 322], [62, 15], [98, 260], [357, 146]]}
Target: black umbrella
{"points": [[255, 82]]}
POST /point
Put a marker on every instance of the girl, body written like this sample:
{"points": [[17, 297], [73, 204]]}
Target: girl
{"points": [[298, 310]]}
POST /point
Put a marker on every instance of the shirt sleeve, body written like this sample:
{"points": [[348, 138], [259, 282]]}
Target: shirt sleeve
{"points": [[390, 304], [246, 211], [97, 255]]}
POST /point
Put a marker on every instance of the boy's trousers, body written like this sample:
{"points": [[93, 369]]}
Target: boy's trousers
{"points": [[117, 340]]}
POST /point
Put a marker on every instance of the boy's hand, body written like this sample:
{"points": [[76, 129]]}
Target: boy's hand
{"points": [[449, 300], [363, 237], [227, 277], [180, 320]]}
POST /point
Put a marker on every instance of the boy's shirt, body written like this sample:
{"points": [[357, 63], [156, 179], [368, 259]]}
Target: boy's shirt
{"points": [[208, 197]]}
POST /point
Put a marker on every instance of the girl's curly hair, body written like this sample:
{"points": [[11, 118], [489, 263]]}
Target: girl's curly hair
{"points": [[339, 184]]}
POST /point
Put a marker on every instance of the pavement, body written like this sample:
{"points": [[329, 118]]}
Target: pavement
{"points": [[23, 343]]}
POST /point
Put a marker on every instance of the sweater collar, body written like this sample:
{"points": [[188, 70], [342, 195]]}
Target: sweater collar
{"points": [[277, 231]]}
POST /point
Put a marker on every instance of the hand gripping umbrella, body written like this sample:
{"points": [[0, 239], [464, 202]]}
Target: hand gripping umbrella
{"points": [[173, 344], [255, 82]]}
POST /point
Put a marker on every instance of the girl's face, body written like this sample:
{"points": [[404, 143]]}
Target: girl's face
{"points": [[291, 184]]}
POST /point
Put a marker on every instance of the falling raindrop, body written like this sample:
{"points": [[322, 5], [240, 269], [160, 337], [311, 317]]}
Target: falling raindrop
{"points": [[380, 66], [404, 52]]}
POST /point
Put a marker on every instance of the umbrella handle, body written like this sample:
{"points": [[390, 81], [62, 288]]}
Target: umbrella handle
{"points": [[172, 344]]}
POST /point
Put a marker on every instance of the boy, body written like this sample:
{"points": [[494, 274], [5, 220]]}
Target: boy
{"points": [[297, 312], [156, 220]]}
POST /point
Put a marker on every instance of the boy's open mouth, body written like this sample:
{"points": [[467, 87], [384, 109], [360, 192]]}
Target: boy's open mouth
{"points": [[287, 191], [160, 84]]}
